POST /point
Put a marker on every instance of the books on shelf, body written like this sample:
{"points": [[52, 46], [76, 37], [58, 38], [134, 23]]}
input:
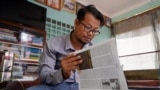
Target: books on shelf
{"points": [[26, 45], [8, 36], [26, 38], [32, 68], [37, 41], [24, 72], [32, 53], [7, 30], [31, 39], [17, 71], [11, 48]]}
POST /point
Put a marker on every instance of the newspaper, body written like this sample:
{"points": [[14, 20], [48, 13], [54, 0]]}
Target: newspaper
{"points": [[101, 68]]}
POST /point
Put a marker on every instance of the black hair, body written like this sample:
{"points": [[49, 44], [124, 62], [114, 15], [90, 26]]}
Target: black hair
{"points": [[90, 9]]}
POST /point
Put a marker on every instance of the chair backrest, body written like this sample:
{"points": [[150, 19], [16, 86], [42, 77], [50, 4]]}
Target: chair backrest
{"points": [[14, 85]]}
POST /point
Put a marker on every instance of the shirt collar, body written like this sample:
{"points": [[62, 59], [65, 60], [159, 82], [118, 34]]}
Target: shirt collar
{"points": [[69, 44]]}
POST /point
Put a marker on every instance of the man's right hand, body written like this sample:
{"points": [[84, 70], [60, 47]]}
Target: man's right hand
{"points": [[69, 63]]}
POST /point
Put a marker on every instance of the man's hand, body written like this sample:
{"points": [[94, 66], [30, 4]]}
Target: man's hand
{"points": [[69, 63]]}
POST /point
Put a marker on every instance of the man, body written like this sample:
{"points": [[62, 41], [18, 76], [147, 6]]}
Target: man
{"points": [[58, 63]]}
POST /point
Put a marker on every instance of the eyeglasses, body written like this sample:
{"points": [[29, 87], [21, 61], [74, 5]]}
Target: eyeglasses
{"points": [[88, 29]]}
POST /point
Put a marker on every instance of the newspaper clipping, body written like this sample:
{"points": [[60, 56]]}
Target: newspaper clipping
{"points": [[101, 68]]}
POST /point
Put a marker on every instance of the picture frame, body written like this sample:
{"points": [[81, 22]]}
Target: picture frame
{"points": [[78, 6], [56, 4], [108, 21], [41, 1], [69, 5]]}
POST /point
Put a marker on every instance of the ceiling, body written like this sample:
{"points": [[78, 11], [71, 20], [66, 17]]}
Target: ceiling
{"points": [[113, 8]]}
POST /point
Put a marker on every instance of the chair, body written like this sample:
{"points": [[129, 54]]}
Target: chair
{"points": [[14, 85]]}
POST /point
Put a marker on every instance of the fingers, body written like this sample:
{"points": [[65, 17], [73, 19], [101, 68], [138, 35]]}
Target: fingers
{"points": [[69, 63], [69, 56], [72, 58], [75, 61]]}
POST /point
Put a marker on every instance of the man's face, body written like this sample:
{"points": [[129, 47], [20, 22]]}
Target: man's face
{"points": [[86, 29]]}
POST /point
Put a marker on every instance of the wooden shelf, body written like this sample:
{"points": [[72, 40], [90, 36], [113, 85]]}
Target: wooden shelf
{"points": [[22, 27], [9, 42], [149, 74], [22, 49], [143, 79], [30, 61], [21, 44], [143, 84]]}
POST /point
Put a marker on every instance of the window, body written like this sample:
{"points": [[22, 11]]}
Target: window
{"points": [[138, 42]]}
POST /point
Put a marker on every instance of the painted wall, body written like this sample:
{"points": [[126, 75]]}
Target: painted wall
{"points": [[69, 18], [105, 34], [152, 4]]}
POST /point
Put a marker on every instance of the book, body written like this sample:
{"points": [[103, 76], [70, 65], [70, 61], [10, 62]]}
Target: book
{"points": [[87, 64], [32, 53], [37, 41]]}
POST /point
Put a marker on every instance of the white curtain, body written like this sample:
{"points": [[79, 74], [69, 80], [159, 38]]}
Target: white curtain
{"points": [[137, 41]]}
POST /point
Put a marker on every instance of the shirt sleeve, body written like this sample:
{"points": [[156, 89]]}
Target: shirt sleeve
{"points": [[47, 72]]}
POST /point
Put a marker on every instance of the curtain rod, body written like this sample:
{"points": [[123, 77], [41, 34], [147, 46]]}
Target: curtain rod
{"points": [[140, 13]]}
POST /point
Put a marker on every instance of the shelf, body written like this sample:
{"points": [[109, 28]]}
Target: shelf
{"points": [[31, 45], [143, 84], [20, 27], [30, 77], [149, 74], [24, 42], [143, 79], [7, 41], [26, 78], [29, 61], [21, 44], [28, 41]]}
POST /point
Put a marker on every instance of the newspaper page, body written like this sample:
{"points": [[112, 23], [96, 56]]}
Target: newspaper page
{"points": [[101, 68]]}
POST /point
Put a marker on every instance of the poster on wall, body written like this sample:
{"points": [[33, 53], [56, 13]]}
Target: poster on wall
{"points": [[78, 6], [42, 1], [56, 4], [69, 5]]}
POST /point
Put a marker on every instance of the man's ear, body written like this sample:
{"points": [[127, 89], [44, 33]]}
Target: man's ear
{"points": [[76, 22]]}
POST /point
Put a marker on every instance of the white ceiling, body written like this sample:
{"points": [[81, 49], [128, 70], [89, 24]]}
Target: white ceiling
{"points": [[113, 8]]}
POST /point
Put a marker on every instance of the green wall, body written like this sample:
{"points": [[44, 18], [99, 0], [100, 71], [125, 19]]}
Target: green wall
{"points": [[152, 4], [105, 34], [69, 18], [61, 15]]}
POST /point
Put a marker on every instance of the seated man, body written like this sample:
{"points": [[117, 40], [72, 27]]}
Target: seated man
{"points": [[58, 65]]}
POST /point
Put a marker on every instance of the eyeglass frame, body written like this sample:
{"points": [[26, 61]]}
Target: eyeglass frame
{"points": [[94, 32]]}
